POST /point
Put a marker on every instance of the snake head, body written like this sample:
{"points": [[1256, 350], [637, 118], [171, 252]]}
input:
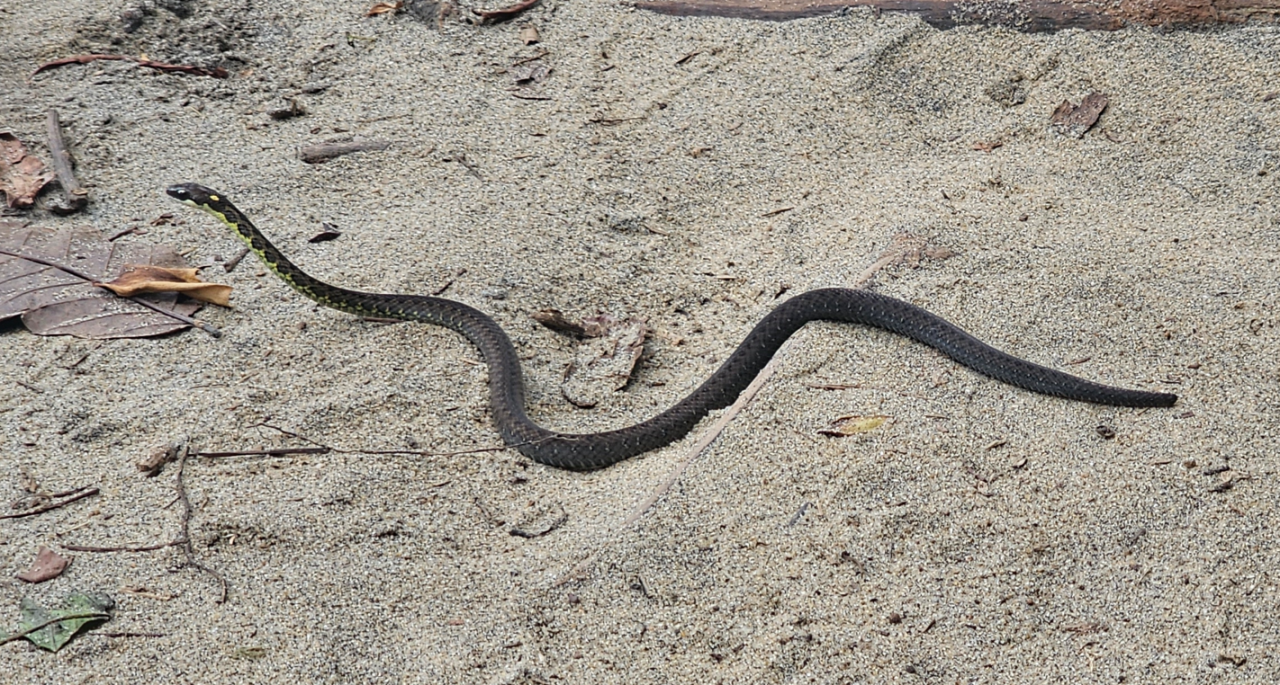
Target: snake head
{"points": [[193, 194]]}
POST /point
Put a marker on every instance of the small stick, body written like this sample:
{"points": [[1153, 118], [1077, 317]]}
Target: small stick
{"points": [[232, 263], [216, 72], [77, 196], [323, 152], [78, 274], [183, 541], [52, 505], [506, 12], [143, 548], [278, 452]]}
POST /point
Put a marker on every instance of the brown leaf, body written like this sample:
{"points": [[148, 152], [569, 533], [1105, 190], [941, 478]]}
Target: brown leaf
{"points": [[854, 424], [139, 279], [383, 8], [48, 565], [1075, 120], [605, 363], [21, 175], [52, 301]]}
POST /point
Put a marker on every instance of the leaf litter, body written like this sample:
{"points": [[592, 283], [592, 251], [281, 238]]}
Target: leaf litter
{"points": [[62, 300], [22, 175]]}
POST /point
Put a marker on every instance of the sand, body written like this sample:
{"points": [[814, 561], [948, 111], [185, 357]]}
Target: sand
{"points": [[683, 171]]}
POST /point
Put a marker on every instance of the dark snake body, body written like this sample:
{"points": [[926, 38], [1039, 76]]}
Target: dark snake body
{"points": [[597, 450]]}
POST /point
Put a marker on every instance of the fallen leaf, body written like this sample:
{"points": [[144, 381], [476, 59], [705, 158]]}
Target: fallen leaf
{"points": [[47, 565], [78, 610], [138, 279], [1076, 120], [54, 302], [605, 363], [854, 424], [529, 34], [383, 8], [21, 175], [158, 456]]}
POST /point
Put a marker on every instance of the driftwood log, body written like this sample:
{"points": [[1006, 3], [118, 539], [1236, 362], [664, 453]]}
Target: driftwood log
{"points": [[1024, 15]]}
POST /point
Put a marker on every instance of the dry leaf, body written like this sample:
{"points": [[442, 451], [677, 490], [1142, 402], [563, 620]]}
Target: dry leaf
{"points": [[48, 565], [139, 279], [21, 175], [854, 424], [604, 364], [1075, 120], [383, 8], [54, 302], [529, 34]]}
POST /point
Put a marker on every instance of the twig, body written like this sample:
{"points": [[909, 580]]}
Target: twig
{"points": [[52, 505], [506, 12], [216, 72], [277, 452], [73, 617], [143, 548], [77, 196], [323, 152], [229, 265], [183, 542], [83, 276]]}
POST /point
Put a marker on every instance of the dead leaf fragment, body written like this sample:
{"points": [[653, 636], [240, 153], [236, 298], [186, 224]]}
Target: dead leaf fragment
{"points": [[383, 8], [529, 34], [854, 424], [605, 363], [139, 279], [1076, 120], [21, 175], [159, 455], [48, 565]]}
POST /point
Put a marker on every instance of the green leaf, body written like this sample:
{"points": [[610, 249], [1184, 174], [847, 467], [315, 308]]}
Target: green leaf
{"points": [[77, 611]]}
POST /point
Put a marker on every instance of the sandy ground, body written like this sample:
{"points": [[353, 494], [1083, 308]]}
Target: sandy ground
{"points": [[985, 534]]}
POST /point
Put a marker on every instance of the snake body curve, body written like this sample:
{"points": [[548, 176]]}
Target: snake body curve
{"points": [[586, 452]]}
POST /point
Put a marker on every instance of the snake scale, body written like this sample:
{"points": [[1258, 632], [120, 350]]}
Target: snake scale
{"points": [[597, 450]]}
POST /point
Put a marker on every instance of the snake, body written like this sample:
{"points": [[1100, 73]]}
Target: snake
{"points": [[591, 451]]}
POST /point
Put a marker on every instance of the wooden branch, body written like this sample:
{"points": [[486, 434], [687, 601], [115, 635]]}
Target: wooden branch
{"points": [[1024, 15], [77, 196]]}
